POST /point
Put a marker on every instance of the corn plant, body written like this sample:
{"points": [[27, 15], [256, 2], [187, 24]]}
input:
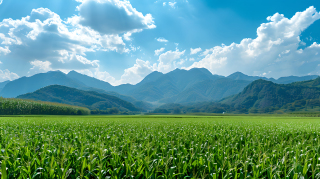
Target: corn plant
{"points": [[27, 107], [159, 147]]}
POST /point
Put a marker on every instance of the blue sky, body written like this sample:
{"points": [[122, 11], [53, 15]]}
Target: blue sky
{"points": [[123, 41]]}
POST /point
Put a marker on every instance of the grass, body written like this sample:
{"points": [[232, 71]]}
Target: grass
{"points": [[160, 147]]}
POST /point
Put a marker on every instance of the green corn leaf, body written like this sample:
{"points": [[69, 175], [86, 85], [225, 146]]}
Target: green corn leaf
{"points": [[3, 170]]}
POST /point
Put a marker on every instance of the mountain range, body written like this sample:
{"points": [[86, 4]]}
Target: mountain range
{"points": [[178, 86], [12, 89]]}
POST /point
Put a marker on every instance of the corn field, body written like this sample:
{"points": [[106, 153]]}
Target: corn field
{"points": [[28, 107], [160, 147]]}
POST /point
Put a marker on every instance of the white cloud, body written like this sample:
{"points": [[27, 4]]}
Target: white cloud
{"points": [[164, 3], [41, 66], [4, 50], [158, 51], [172, 4], [161, 39], [7, 75], [105, 76], [127, 36], [113, 17], [43, 37], [181, 62], [132, 75], [1, 2], [43, 41], [195, 51], [279, 36], [167, 59], [135, 74]]}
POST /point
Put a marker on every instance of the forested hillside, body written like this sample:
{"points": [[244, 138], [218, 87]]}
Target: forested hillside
{"points": [[90, 99], [266, 96], [260, 96]]}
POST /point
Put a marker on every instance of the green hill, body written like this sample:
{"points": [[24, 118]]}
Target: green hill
{"points": [[308, 83], [267, 96], [260, 96], [90, 99]]}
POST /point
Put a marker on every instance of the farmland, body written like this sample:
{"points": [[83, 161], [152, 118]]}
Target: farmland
{"points": [[11, 106], [160, 147]]}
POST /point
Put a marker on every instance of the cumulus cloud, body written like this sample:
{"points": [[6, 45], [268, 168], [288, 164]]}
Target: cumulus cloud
{"points": [[161, 39], [43, 39], [167, 60], [101, 75], [172, 4], [273, 52], [132, 75], [158, 51], [105, 76], [135, 74], [41, 66], [43, 36], [4, 50], [7, 75], [113, 17], [195, 51]]}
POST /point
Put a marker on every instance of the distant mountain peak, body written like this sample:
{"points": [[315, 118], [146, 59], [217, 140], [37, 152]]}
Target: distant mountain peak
{"points": [[56, 71], [151, 77], [89, 81], [155, 72], [262, 81], [241, 76], [204, 70], [238, 73], [72, 71]]}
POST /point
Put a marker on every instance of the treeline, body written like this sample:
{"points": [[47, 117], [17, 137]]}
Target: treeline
{"points": [[112, 111], [28, 107], [304, 105], [205, 107]]}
